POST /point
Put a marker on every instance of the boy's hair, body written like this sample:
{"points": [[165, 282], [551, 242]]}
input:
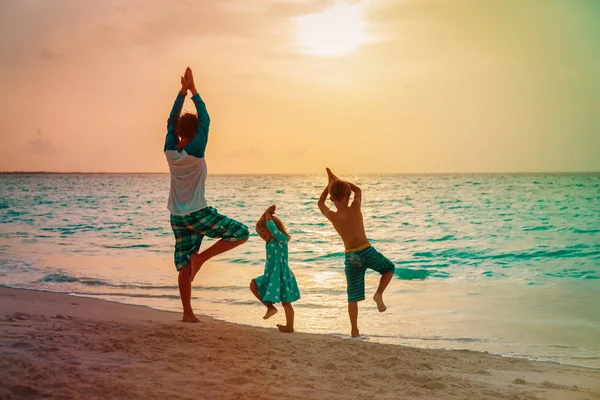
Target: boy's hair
{"points": [[262, 223], [339, 190], [187, 125]]}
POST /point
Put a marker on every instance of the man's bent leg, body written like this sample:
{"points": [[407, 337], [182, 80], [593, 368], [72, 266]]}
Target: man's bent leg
{"points": [[218, 248]]}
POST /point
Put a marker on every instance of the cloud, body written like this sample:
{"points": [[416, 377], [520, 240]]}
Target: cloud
{"points": [[49, 54], [295, 9], [245, 153], [296, 153], [41, 145]]}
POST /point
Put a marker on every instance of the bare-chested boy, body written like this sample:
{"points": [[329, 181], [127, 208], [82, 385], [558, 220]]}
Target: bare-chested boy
{"points": [[360, 255]]}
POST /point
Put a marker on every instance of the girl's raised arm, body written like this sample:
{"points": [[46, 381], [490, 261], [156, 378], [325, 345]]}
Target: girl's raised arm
{"points": [[277, 234]]}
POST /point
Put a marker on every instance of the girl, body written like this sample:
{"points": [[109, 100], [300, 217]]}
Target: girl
{"points": [[278, 283]]}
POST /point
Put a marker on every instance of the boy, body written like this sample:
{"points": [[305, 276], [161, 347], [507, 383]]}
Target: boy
{"points": [[191, 218], [360, 255]]}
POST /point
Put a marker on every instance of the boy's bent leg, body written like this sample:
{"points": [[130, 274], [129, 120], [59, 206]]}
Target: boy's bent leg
{"points": [[378, 262], [384, 281], [185, 292], [353, 314], [218, 248]]}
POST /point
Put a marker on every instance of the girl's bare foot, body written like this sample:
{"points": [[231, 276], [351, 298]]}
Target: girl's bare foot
{"points": [[285, 328], [270, 312], [189, 318], [379, 300], [355, 333], [197, 261]]}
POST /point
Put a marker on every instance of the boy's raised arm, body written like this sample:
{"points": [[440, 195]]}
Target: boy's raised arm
{"points": [[324, 209], [331, 176], [197, 146], [357, 194]]}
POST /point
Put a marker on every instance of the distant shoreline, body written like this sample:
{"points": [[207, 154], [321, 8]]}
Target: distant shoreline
{"points": [[316, 173]]}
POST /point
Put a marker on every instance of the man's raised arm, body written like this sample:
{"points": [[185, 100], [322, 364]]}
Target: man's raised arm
{"points": [[171, 140], [197, 146]]}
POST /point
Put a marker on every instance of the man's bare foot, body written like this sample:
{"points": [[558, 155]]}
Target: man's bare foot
{"points": [[197, 261], [270, 312], [285, 328], [379, 300], [189, 318], [355, 333]]}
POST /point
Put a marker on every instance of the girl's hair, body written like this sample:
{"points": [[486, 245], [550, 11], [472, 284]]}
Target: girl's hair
{"points": [[278, 223]]}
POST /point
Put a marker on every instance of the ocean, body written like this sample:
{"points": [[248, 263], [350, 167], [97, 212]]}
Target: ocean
{"points": [[504, 263]]}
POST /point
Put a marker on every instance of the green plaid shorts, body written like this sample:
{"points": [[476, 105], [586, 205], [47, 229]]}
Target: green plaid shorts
{"points": [[190, 229]]}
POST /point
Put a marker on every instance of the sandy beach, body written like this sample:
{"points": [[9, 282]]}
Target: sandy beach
{"points": [[59, 346]]}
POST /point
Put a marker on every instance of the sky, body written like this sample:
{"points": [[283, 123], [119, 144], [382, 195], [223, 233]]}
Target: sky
{"points": [[294, 86]]}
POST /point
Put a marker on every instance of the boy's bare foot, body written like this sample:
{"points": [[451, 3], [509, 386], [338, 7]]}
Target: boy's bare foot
{"points": [[189, 318], [379, 300], [197, 261], [355, 333], [285, 328], [270, 312]]}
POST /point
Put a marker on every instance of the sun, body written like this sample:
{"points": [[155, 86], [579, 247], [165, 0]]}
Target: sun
{"points": [[336, 31]]}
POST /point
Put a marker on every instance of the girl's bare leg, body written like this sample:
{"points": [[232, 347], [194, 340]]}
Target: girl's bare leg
{"points": [[271, 310], [289, 319]]}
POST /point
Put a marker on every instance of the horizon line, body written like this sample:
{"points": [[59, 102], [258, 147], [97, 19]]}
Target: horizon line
{"points": [[299, 173]]}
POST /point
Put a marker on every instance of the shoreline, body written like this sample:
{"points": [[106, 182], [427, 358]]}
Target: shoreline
{"points": [[79, 347], [339, 335]]}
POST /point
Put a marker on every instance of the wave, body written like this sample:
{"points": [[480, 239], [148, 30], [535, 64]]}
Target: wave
{"points": [[537, 228], [573, 273], [422, 263], [61, 277], [325, 257], [442, 239], [64, 278], [583, 231], [136, 295], [407, 274], [527, 255], [312, 306], [243, 261], [71, 229], [235, 302], [434, 338], [129, 246], [466, 254]]}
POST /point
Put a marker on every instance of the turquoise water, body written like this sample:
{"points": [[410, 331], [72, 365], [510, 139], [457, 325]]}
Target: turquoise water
{"points": [[508, 264]]}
